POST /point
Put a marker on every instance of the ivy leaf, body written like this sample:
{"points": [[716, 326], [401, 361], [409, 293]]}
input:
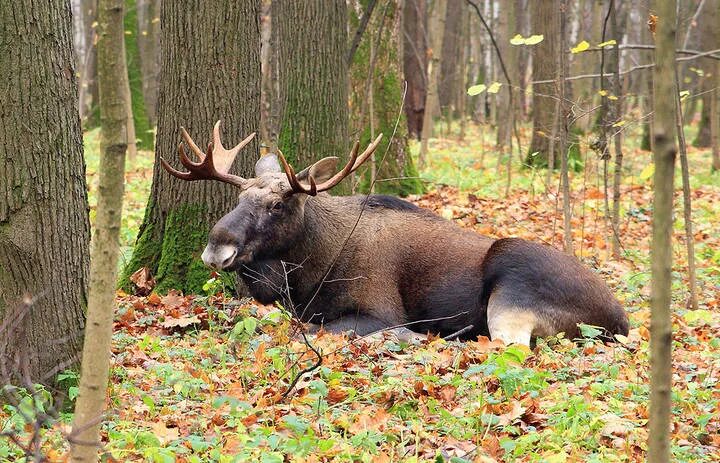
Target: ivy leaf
{"points": [[517, 40], [534, 39], [494, 87], [476, 89], [607, 43], [580, 47]]}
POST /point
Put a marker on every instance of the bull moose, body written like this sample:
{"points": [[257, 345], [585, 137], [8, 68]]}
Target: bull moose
{"points": [[370, 262]]}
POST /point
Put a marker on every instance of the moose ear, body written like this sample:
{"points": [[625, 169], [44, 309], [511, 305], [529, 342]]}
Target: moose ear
{"points": [[267, 164], [320, 171]]}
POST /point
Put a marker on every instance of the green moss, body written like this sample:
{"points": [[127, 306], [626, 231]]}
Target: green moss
{"points": [[184, 237], [143, 129], [145, 254]]}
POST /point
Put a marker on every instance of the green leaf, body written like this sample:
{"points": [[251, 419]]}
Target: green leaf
{"points": [[494, 87], [589, 331], [607, 43], [517, 40], [647, 172], [476, 89], [250, 323], [534, 39], [619, 123], [580, 47]]}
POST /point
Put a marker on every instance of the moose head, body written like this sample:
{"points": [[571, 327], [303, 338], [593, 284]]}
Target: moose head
{"points": [[269, 215]]}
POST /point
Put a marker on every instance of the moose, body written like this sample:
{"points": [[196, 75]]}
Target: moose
{"points": [[371, 262]]}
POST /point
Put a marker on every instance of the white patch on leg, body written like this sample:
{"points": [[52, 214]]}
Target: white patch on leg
{"points": [[512, 326]]}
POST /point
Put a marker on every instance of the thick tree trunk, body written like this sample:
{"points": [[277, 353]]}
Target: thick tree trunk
{"points": [[661, 250], [90, 403], [415, 63], [543, 68], [313, 77], [148, 41], [210, 71], [396, 173], [141, 129], [44, 229]]}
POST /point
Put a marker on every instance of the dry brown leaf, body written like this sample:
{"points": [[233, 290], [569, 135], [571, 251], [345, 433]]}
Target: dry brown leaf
{"points": [[180, 322], [143, 281]]}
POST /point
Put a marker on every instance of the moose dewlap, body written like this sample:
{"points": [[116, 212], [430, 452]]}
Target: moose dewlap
{"points": [[366, 263]]}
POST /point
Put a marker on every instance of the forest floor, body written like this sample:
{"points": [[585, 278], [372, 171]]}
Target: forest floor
{"points": [[203, 377]]}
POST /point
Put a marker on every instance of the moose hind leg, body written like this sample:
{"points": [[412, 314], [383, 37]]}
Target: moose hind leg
{"points": [[512, 322]]}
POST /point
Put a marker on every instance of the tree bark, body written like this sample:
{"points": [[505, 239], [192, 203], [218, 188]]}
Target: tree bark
{"points": [[44, 228], [379, 95], [148, 41], [543, 68], [88, 71], [141, 128], [210, 71], [715, 120], [437, 29], [509, 52], [617, 137], [313, 76], [451, 48], [415, 63], [661, 250], [709, 39], [90, 403]]}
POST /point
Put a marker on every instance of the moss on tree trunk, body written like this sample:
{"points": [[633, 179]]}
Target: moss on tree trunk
{"points": [[143, 129], [396, 173]]}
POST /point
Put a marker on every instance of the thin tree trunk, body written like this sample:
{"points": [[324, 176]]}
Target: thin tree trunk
{"points": [[44, 228], [90, 404], [715, 121], [563, 147], [202, 80], [509, 54], [687, 201], [617, 139], [88, 72], [661, 251], [437, 28], [139, 129], [149, 48], [415, 63], [449, 65]]}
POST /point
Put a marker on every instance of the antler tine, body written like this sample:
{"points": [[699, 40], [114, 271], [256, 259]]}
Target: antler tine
{"points": [[295, 184], [195, 149], [368, 152], [354, 162], [224, 157]]}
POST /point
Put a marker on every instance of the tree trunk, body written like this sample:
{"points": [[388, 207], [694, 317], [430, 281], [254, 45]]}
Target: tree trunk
{"points": [[148, 41], [141, 129], [313, 75], [617, 137], [415, 63], [44, 229], [449, 66], [437, 29], [88, 71], [561, 20], [509, 53], [543, 68], [715, 120], [661, 250], [709, 39], [396, 173], [210, 70], [90, 403]]}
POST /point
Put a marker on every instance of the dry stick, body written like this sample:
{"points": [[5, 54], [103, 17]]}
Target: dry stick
{"points": [[687, 201]]}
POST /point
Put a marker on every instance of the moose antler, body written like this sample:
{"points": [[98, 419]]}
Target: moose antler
{"points": [[213, 165], [353, 163]]}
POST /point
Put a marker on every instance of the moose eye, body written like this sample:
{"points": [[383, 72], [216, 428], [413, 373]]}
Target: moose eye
{"points": [[277, 207]]}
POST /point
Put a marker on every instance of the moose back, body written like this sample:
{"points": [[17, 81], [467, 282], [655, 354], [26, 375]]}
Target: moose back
{"points": [[367, 263]]}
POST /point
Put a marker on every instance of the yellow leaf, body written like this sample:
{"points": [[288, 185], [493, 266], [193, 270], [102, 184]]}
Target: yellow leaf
{"points": [[647, 172], [602, 92], [612, 97], [619, 123], [494, 87], [607, 44], [476, 89], [534, 39], [128, 32], [581, 47], [155, 20], [517, 40]]}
